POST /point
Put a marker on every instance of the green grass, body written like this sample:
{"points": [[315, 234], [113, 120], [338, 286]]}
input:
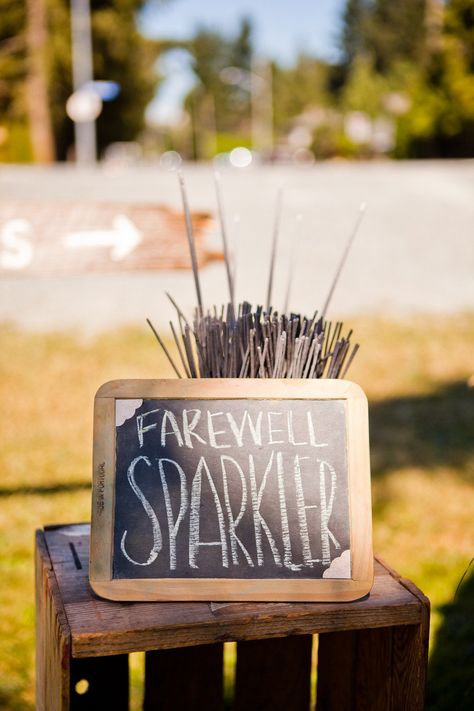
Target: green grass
{"points": [[421, 416]]}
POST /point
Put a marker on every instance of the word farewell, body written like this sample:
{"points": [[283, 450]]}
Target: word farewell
{"points": [[222, 430]]}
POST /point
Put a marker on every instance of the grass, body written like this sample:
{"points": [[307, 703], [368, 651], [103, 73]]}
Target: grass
{"points": [[421, 414]]}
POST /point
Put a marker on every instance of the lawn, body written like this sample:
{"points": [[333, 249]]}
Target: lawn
{"points": [[419, 379]]}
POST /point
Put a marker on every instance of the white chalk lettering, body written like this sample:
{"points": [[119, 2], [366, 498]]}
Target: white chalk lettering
{"points": [[168, 416], [302, 508], [258, 520], [194, 519], [285, 529], [312, 435], [255, 429], [188, 427], [272, 430], [173, 526], [157, 538], [140, 429], [213, 433], [326, 509], [291, 433], [234, 522]]}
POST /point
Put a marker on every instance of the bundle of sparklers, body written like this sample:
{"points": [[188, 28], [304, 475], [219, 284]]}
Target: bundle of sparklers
{"points": [[238, 341]]}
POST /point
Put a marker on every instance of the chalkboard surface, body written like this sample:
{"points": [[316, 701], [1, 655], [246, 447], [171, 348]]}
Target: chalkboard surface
{"points": [[227, 488], [231, 488]]}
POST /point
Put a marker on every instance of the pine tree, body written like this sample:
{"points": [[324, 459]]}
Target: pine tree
{"points": [[354, 34], [219, 109], [441, 120], [385, 30], [396, 31], [37, 99]]}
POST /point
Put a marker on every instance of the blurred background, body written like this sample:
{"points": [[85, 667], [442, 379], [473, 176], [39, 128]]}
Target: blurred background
{"points": [[294, 82], [334, 101]]}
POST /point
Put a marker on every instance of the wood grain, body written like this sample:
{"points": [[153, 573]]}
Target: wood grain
{"points": [[360, 503], [232, 388], [184, 679], [373, 670], [372, 653], [274, 674], [410, 652], [100, 627], [409, 668], [337, 658], [103, 490], [378, 669], [53, 637]]}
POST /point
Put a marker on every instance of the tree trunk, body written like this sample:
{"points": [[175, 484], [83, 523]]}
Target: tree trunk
{"points": [[41, 131]]}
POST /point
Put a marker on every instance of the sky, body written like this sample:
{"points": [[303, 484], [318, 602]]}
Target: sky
{"points": [[282, 30]]}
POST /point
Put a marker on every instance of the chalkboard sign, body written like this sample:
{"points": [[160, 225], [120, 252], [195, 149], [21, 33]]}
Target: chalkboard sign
{"points": [[231, 490]]}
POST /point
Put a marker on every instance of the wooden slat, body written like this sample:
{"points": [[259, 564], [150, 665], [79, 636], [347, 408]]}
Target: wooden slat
{"points": [[409, 662], [100, 627], [355, 671], [274, 674], [184, 679], [410, 652], [53, 639], [107, 683], [336, 663], [372, 670]]}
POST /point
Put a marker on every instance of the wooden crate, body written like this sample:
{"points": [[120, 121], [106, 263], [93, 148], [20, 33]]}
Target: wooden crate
{"points": [[372, 654]]}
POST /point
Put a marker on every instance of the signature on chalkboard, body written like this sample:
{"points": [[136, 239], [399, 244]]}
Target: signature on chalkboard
{"points": [[100, 489]]}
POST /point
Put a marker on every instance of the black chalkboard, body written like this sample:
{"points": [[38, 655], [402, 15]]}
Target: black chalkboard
{"points": [[230, 490]]}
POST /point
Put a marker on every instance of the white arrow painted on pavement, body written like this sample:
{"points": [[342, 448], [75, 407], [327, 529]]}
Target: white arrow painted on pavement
{"points": [[123, 238]]}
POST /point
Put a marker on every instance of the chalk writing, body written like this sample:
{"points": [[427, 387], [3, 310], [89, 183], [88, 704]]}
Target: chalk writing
{"points": [[238, 488]]}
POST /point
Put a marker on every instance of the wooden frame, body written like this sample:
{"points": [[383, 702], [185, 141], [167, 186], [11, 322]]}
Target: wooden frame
{"points": [[283, 590]]}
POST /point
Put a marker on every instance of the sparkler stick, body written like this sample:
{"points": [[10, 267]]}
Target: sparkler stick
{"points": [[342, 261], [191, 243]]}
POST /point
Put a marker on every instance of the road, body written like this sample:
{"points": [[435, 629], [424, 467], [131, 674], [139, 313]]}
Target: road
{"points": [[414, 252]]}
